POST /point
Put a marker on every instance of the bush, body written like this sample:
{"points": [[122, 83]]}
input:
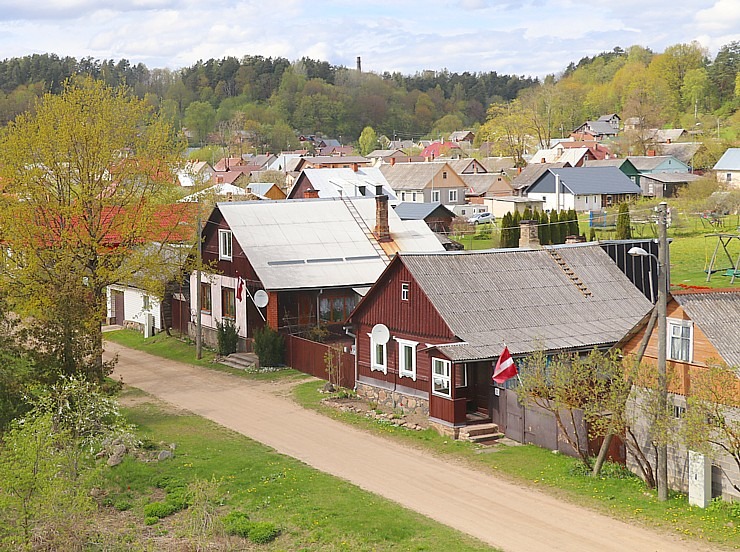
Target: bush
{"points": [[269, 346], [237, 523], [263, 532], [227, 335], [151, 520], [159, 510]]}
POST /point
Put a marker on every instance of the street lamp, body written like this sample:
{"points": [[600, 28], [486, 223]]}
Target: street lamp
{"points": [[662, 467]]}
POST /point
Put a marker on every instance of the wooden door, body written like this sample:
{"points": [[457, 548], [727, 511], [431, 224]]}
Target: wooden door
{"points": [[480, 387], [118, 313]]}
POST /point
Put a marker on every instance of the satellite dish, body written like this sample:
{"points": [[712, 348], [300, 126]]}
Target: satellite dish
{"points": [[261, 298], [381, 334]]}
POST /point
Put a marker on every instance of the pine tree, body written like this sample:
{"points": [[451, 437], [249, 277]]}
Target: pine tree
{"points": [[544, 228], [506, 230], [555, 228], [516, 231]]}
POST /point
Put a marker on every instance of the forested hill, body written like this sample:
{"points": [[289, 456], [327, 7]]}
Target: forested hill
{"points": [[306, 95]]}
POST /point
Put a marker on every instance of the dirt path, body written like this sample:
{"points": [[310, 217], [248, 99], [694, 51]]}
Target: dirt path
{"points": [[497, 512]]}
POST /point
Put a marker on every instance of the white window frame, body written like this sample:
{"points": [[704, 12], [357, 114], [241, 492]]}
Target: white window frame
{"points": [[436, 376], [403, 196], [677, 323], [405, 286], [225, 245], [464, 369], [435, 196], [405, 371], [453, 196], [375, 365]]}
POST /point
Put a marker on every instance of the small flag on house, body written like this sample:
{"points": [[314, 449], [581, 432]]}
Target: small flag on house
{"points": [[240, 288], [505, 367]]}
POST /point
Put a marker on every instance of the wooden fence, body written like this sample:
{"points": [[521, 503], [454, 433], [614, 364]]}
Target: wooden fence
{"points": [[309, 357]]}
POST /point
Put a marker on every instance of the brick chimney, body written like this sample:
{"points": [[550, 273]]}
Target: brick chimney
{"points": [[355, 167], [382, 232], [219, 179], [310, 193], [528, 235], [392, 161]]}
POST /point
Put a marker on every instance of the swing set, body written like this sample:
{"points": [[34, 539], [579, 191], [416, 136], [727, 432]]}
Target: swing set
{"points": [[724, 240]]}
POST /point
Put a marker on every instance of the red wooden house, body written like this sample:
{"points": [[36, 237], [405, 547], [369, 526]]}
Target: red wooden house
{"points": [[449, 315]]}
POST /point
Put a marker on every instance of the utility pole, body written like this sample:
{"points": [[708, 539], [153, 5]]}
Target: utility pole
{"points": [[662, 468], [198, 294]]}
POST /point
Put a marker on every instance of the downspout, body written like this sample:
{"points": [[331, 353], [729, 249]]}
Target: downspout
{"points": [[354, 336]]}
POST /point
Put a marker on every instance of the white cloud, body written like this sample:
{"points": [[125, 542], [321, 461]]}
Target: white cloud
{"points": [[724, 15]]}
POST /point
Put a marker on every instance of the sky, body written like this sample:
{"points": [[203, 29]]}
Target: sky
{"points": [[524, 37]]}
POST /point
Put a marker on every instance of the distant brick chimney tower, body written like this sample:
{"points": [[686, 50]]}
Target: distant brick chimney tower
{"points": [[528, 235], [382, 232]]}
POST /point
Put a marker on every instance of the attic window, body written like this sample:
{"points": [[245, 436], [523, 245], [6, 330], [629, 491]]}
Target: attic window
{"points": [[405, 291], [361, 190], [444, 175], [224, 245]]}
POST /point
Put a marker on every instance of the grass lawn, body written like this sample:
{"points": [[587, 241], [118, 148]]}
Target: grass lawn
{"points": [[313, 511], [180, 350], [618, 492]]}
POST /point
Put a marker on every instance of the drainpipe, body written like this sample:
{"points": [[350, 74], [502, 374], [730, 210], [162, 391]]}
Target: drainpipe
{"points": [[353, 336]]}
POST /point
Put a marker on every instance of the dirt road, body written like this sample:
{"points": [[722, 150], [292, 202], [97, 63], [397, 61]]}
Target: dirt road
{"points": [[497, 512]]}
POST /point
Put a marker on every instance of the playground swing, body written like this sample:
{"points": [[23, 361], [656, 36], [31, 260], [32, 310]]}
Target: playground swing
{"points": [[734, 269]]}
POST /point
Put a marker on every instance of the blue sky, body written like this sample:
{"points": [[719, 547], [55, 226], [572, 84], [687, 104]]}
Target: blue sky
{"points": [[526, 37]]}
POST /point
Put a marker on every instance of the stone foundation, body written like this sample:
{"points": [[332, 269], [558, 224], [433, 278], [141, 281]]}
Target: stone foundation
{"points": [[445, 430], [390, 400]]}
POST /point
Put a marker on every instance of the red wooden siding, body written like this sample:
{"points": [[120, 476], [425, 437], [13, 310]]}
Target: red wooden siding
{"points": [[308, 357]]}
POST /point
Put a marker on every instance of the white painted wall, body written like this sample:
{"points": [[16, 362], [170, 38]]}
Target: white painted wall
{"points": [[208, 320], [133, 305], [569, 201]]}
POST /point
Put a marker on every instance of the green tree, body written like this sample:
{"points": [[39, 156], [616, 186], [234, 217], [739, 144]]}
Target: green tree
{"points": [[556, 234], [83, 176], [200, 117], [544, 227], [368, 140], [624, 230]]}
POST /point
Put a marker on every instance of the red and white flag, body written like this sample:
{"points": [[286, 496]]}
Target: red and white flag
{"points": [[505, 367], [240, 288]]}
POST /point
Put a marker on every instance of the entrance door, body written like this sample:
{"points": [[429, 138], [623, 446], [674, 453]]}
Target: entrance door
{"points": [[118, 314], [480, 387]]}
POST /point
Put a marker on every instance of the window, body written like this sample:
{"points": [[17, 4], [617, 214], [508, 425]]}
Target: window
{"points": [[224, 245], [205, 297], [403, 196], [729, 177], [453, 196], [679, 411], [361, 190], [147, 304], [461, 376], [435, 196], [444, 175], [680, 340], [413, 196], [441, 377], [228, 303], [378, 356], [405, 291], [407, 358], [336, 309]]}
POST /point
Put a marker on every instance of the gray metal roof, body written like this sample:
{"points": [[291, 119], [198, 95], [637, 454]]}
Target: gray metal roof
{"points": [[717, 314], [409, 210], [651, 162], [671, 177], [587, 180], [531, 173], [317, 243], [600, 127], [480, 183], [524, 299], [415, 176], [730, 160]]}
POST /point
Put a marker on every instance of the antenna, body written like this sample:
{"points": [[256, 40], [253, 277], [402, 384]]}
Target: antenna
{"points": [[380, 334], [261, 298]]}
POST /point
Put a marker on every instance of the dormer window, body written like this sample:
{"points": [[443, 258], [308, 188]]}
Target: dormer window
{"points": [[224, 245]]}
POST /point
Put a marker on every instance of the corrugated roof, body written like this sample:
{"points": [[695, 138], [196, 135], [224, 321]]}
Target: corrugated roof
{"points": [[317, 243], [330, 182], [588, 180], [730, 160], [600, 127], [650, 162], [413, 176], [524, 299], [672, 177], [531, 173], [717, 313], [409, 210]]}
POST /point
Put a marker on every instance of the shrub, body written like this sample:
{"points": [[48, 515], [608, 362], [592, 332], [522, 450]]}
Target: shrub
{"points": [[122, 505], [237, 523], [159, 509], [269, 346], [263, 532], [151, 520], [227, 335]]}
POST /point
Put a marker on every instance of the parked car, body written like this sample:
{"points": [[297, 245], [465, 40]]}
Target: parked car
{"points": [[482, 218]]}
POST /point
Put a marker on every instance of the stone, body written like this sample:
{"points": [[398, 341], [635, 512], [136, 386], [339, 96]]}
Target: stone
{"points": [[328, 387], [116, 457], [164, 455]]}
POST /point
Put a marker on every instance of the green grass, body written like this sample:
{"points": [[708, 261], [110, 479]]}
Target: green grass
{"points": [[621, 494], [173, 348], [313, 510]]}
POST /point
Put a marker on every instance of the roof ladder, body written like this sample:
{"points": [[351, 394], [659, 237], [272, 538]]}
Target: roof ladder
{"points": [[570, 273], [365, 228]]}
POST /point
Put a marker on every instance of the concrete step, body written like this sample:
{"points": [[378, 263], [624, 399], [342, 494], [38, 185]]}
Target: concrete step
{"points": [[486, 438], [240, 361], [479, 429]]}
